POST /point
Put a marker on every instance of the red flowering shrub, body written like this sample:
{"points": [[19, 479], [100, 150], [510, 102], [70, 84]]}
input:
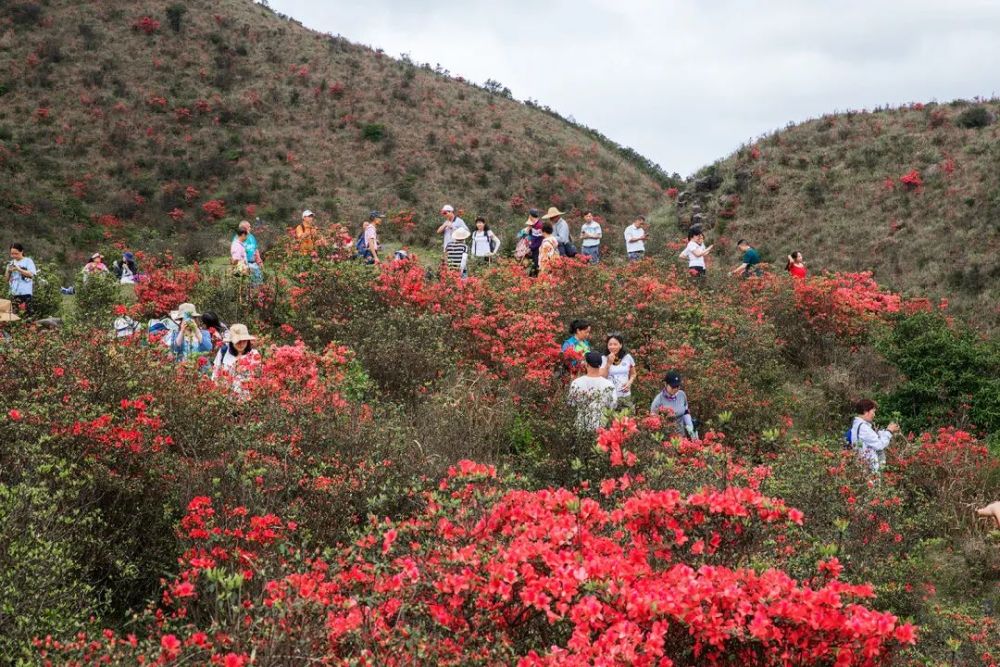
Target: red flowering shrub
{"points": [[215, 209], [163, 289], [911, 180], [502, 576], [845, 304], [147, 25]]}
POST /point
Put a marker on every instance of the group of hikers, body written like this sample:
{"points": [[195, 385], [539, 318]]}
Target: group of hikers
{"points": [[604, 378], [605, 382], [542, 239]]}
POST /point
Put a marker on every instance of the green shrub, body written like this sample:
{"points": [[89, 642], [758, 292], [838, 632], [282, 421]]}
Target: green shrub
{"points": [[973, 118], [950, 374], [374, 132], [96, 296], [174, 14], [46, 300]]}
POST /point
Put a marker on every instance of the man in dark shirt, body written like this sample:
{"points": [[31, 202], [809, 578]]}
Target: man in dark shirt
{"points": [[750, 262]]}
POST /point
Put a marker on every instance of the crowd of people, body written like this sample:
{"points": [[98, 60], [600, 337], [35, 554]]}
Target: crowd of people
{"points": [[603, 378], [605, 382]]}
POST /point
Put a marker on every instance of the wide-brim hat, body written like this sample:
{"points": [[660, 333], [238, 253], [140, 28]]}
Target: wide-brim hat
{"points": [[184, 308], [461, 234], [7, 311], [553, 212], [96, 255], [239, 333]]}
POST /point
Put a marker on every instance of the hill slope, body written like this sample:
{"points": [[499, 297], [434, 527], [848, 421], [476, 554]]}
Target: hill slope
{"points": [[836, 189], [118, 108]]}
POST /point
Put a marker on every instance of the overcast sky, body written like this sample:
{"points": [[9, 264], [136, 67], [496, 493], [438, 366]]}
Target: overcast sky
{"points": [[685, 83]]}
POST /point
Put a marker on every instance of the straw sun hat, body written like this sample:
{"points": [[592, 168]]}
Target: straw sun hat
{"points": [[7, 311], [553, 212], [239, 333]]}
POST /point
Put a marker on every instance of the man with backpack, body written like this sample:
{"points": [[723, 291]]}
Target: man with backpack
{"points": [[868, 443]]}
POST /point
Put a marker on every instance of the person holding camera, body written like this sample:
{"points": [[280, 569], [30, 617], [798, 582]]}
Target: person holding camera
{"points": [[20, 276], [870, 444], [190, 339]]}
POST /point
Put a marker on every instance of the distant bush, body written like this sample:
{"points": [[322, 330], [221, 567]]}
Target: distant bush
{"points": [[174, 14], [46, 301], [374, 132], [24, 13], [974, 118], [96, 296], [949, 374]]}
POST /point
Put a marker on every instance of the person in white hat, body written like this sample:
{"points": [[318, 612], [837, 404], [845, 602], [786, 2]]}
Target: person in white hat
{"points": [[456, 253], [190, 339], [306, 233], [237, 359], [6, 315], [95, 265], [451, 224]]}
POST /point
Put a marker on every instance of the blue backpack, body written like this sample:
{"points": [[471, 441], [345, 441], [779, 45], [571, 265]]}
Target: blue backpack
{"points": [[850, 441]]}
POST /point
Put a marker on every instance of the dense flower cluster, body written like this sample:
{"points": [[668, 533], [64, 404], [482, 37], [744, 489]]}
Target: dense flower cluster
{"points": [[482, 570], [845, 303]]}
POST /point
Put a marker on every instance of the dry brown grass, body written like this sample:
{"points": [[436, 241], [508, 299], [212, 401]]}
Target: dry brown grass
{"points": [[820, 187], [288, 118]]}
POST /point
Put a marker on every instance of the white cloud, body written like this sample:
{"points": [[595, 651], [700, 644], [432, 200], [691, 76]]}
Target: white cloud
{"points": [[685, 83]]}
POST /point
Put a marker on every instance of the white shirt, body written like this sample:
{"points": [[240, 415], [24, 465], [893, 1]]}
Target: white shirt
{"points": [[451, 227], [869, 443], [694, 260], [592, 228], [481, 243], [619, 374], [633, 232], [592, 396]]}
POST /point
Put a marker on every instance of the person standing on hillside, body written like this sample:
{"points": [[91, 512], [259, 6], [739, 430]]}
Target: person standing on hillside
{"points": [[485, 244], [533, 225], [452, 223], [254, 261], [635, 239], [695, 252], [238, 253], [868, 443], [456, 254], [674, 399], [306, 233], [20, 276], [560, 229], [796, 267], [592, 395], [750, 262], [619, 367], [548, 252], [578, 343], [590, 238], [370, 236]]}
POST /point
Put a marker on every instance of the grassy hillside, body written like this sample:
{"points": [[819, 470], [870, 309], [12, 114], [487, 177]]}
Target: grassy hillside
{"points": [[836, 188], [122, 117]]}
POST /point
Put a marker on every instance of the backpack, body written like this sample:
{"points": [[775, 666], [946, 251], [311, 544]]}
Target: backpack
{"points": [[494, 241], [850, 441]]}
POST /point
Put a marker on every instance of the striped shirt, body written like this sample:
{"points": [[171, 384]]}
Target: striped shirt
{"points": [[454, 254]]}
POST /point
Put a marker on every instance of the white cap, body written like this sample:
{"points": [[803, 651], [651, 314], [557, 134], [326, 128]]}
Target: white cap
{"points": [[306, 213], [447, 208]]}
